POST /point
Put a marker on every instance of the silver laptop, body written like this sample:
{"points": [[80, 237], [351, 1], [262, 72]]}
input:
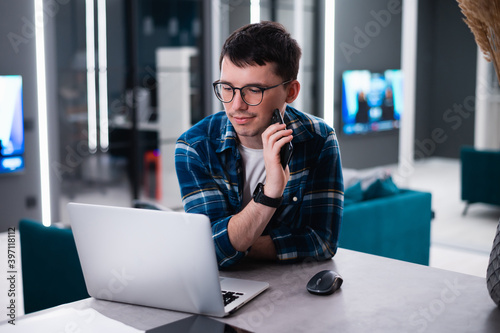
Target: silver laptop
{"points": [[155, 258]]}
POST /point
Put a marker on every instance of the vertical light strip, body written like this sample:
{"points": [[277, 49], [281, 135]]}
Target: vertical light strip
{"points": [[103, 75], [298, 34], [254, 11], [91, 88], [219, 23], [42, 114], [409, 68], [329, 59]]}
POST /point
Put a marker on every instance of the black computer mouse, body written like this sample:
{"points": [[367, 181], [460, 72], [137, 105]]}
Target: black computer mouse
{"points": [[324, 283]]}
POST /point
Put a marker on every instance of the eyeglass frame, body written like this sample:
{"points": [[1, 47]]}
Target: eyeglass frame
{"points": [[262, 89]]}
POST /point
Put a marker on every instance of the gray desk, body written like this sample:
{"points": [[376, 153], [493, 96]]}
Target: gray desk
{"points": [[378, 295]]}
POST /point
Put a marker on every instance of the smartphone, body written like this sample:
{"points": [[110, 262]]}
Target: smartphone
{"points": [[287, 149]]}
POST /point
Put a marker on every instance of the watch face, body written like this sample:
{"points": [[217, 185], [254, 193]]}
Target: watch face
{"points": [[258, 189], [258, 193]]}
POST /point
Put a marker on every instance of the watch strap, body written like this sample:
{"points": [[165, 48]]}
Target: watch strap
{"points": [[260, 197]]}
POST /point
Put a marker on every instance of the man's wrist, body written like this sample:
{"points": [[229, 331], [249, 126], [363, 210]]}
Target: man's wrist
{"points": [[270, 193], [260, 197]]}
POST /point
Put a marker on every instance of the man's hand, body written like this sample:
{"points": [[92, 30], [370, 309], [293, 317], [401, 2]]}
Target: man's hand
{"points": [[273, 139]]}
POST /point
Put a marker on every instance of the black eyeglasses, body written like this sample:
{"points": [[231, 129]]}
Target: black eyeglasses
{"points": [[252, 95]]}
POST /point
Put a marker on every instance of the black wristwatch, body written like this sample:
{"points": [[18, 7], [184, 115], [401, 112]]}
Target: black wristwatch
{"points": [[260, 197]]}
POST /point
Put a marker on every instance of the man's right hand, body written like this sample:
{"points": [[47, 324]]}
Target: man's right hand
{"points": [[273, 139]]}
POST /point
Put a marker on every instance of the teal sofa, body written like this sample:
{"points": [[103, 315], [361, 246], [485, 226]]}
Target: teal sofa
{"points": [[397, 225]]}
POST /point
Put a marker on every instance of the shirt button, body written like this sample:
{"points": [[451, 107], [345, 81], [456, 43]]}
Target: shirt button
{"points": [[295, 199]]}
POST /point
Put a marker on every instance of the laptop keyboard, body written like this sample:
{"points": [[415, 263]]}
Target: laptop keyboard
{"points": [[230, 296]]}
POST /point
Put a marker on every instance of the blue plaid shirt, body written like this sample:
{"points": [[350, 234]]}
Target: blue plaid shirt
{"points": [[307, 223]]}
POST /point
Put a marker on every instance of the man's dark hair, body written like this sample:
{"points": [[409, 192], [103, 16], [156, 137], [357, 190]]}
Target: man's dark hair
{"points": [[261, 43]]}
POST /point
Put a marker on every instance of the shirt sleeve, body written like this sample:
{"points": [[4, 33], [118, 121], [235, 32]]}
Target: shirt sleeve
{"points": [[201, 193], [314, 229]]}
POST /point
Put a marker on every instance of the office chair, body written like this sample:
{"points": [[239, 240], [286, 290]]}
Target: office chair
{"points": [[52, 274]]}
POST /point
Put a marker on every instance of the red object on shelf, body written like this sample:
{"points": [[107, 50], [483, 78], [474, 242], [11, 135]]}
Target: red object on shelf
{"points": [[152, 174]]}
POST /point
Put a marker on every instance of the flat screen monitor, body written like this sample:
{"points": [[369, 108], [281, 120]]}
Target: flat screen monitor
{"points": [[11, 124], [371, 102]]}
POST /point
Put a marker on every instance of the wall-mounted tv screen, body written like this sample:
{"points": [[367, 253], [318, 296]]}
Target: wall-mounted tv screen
{"points": [[11, 124], [371, 102]]}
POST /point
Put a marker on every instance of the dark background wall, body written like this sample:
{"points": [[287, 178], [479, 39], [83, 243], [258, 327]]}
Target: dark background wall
{"points": [[20, 193], [446, 80], [446, 67], [362, 42]]}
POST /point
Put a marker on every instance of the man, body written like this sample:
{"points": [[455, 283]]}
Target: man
{"points": [[229, 167]]}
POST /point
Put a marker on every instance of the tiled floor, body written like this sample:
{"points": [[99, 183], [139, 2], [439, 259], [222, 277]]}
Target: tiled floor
{"points": [[458, 243]]}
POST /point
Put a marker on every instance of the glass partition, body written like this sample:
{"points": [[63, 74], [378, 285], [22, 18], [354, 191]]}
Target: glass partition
{"points": [[133, 75]]}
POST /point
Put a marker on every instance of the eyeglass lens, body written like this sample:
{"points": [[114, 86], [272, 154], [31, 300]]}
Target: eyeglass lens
{"points": [[251, 95]]}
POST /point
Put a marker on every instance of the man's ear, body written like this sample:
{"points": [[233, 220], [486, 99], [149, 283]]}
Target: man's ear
{"points": [[293, 89]]}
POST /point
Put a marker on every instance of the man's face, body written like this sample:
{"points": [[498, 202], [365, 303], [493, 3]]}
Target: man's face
{"points": [[251, 121]]}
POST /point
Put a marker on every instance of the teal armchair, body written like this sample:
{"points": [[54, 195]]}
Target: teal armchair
{"points": [[480, 176], [52, 274]]}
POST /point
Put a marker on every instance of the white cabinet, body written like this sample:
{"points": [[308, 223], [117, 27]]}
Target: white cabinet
{"points": [[175, 93]]}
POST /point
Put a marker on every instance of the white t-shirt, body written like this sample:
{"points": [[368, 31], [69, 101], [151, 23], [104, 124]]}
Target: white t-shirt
{"points": [[254, 171]]}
